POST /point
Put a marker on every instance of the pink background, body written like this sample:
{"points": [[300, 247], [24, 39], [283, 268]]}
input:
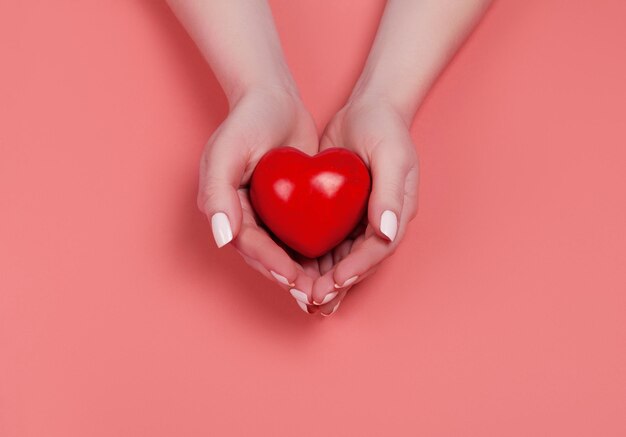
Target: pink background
{"points": [[503, 313]]}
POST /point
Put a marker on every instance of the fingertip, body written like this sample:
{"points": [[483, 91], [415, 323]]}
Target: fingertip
{"points": [[282, 279], [388, 194], [362, 258], [322, 288], [332, 306], [389, 224], [300, 296], [347, 282], [281, 266], [303, 307], [222, 206], [302, 290], [332, 311], [222, 230], [344, 274], [327, 298], [383, 217]]}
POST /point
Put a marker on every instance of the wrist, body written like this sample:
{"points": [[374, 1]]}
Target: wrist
{"points": [[377, 87], [278, 82], [374, 98], [281, 103]]}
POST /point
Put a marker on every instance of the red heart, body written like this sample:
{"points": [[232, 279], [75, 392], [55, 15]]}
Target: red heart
{"points": [[310, 202]]}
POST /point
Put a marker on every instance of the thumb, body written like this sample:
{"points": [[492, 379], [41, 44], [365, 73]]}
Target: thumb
{"points": [[221, 171], [390, 167]]}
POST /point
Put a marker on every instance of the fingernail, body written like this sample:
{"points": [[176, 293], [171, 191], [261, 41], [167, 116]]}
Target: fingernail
{"points": [[303, 306], [389, 224], [300, 296], [281, 278], [332, 311], [349, 281], [327, 298], [222, 232]]}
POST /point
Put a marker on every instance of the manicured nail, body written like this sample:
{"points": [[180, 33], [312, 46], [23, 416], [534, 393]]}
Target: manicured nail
{"points": [[327, 298], [389, 224], [349, 281], [332, 311], [281, 278], [303, 306], [300, 296], [222, 232]]}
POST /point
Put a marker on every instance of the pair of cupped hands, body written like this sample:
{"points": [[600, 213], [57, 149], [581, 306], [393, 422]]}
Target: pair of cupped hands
{"points": [[262, 119]]}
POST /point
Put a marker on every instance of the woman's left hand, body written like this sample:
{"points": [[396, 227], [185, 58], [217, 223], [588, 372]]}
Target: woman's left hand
{"points": [[376, 132]]}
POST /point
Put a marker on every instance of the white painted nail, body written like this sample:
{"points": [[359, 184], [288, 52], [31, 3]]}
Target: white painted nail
{"points": [[327, 298], [302, 306], [281, 278], [349, 281], [300, 296], [222, 232], [333, 310], [389, 224]]}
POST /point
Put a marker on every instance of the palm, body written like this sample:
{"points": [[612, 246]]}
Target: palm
{"points": [[259, 122], [382, 140]]}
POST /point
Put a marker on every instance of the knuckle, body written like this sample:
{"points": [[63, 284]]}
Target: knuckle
{"points": [[209, 198], [391, 194]]}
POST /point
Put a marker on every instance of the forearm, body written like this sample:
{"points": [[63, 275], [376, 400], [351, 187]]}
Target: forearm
{"points": [[414, 41], [239, 40]]}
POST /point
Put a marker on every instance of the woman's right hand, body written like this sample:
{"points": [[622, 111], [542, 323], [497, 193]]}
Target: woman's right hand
{"points": [[260, 120]]}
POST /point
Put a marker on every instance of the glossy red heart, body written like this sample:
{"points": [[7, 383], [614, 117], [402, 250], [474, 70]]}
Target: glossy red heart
{"points": [[311, 203]]}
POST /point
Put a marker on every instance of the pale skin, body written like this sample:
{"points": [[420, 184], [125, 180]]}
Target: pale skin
{"points": [[414, 41]]}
